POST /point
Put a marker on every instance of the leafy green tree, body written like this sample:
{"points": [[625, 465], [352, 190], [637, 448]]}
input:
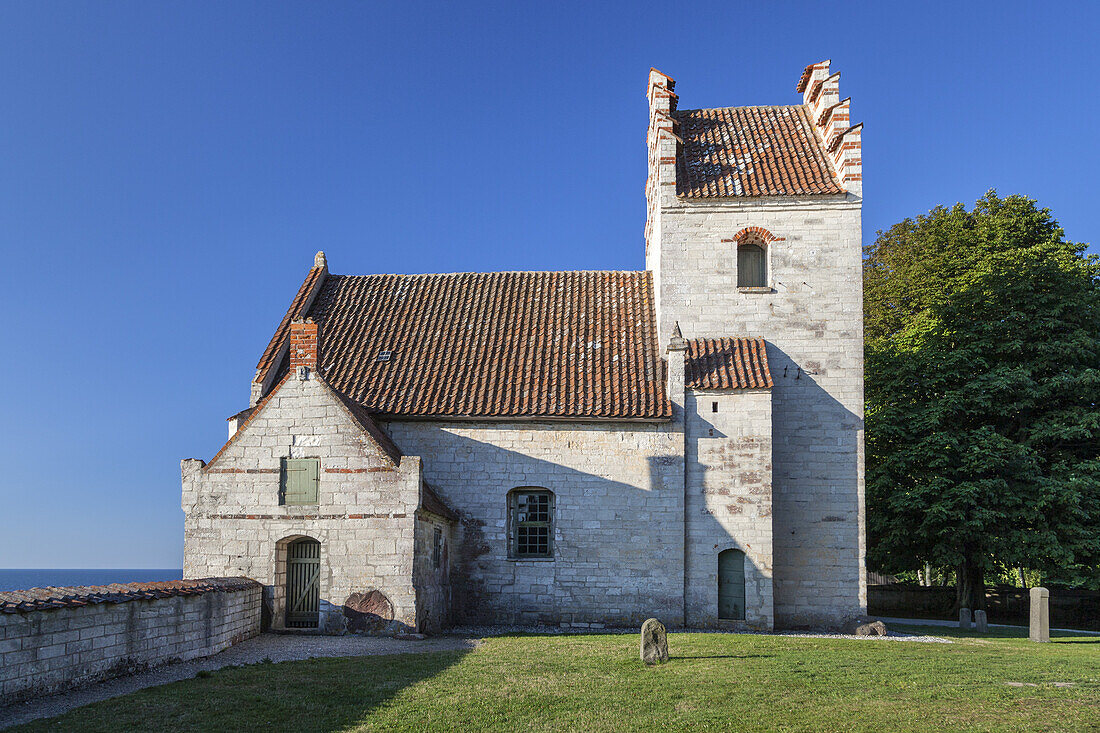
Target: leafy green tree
{"points": [[983, 383]]}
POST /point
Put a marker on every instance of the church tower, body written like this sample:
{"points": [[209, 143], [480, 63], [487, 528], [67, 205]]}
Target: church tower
{"points": [[753, 231]]}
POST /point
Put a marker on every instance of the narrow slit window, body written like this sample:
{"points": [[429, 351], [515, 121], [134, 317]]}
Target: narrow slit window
{"points": [[752, 266], [714, 407]]}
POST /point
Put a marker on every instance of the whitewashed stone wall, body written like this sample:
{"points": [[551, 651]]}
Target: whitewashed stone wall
{"points": [[45, 651], [729, 501], [365, 518], [619, 524], [812, 321]]}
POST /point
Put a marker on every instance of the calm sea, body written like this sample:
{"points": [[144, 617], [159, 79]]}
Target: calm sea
{"points": [[23, 579]]}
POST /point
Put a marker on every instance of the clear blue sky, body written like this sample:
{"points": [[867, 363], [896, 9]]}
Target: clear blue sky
{"points": [[168, 172]]}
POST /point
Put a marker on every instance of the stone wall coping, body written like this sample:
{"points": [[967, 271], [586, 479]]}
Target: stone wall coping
{"points": [[41, 599]]}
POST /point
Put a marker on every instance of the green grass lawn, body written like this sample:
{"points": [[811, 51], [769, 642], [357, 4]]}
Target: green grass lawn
{"points": [[584, 683]]}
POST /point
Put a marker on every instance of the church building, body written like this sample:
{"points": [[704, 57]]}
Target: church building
{"points": [[581, 449]]}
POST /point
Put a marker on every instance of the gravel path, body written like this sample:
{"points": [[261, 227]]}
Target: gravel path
{"points": [[277, 647], [285, 648], [483, 631]]}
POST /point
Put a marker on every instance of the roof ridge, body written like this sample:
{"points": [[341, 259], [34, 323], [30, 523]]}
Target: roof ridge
{"points": [[746, 106], [498, 272]]}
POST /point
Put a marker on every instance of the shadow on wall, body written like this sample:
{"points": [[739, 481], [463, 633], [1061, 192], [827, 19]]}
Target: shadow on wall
{"points": [[618, 547], [815, 505]]}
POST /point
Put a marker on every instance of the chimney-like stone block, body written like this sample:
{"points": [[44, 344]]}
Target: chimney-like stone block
{"points": [[675, 383], [191, 476]]}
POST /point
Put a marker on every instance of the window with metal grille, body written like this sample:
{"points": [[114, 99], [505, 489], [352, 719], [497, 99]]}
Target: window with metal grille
{"points": [[437, 548], [298, 481], [752, 266], [531, 523]]}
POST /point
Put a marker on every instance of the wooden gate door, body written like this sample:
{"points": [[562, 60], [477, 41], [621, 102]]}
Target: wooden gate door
{"points": [[731, 584], [303, 595]]}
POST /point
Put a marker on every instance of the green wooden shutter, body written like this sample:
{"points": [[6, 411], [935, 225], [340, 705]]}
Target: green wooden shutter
{"points": [[300, 477], [751, 266]]}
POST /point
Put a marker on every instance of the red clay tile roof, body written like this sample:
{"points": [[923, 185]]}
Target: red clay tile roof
{"points": [[503, 344], [367, 424], [267, 361], [751, 151], [727, 363], [37, 599]]}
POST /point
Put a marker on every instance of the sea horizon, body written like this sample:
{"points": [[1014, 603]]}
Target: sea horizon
{"points": [[26, 578]]}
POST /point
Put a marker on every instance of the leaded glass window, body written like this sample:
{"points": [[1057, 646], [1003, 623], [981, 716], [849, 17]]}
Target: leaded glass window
{"points": [[532, 523]]}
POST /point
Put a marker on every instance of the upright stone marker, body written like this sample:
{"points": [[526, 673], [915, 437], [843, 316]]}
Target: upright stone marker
{"points": [[654, 642], [964, 619], [1040, 615], [981, 624]]}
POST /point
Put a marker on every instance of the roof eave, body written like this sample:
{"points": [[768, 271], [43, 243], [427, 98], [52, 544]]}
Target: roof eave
{"points": [[399, 417]]}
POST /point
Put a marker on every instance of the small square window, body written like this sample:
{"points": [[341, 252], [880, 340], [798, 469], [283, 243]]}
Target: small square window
{"points": [[384, 355]]}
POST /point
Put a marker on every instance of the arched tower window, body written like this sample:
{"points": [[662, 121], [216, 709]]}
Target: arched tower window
{"points": [[530, 522], [752, 264]]}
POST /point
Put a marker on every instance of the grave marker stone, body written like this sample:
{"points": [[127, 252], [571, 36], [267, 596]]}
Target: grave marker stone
{"points": [[654, 642]]}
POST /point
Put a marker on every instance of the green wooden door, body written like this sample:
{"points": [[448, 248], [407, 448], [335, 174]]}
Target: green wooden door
{"points": [[303, 596], [731, 584]]}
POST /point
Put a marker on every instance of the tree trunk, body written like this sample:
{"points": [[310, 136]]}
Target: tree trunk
{"points": [[969, 586], [1020, 575]]}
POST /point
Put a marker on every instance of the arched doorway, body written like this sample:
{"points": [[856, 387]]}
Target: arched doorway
{"points": [[731, 585], [303, 593]]}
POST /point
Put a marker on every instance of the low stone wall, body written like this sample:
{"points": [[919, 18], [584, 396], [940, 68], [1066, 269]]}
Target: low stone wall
{"points": [[55, 638]]}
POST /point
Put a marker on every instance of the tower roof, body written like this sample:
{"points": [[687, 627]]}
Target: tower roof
{"points": [[751, 151]]}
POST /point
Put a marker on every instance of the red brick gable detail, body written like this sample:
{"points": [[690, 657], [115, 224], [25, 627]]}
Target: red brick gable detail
{"points": [[758, 231], [304, 336]]}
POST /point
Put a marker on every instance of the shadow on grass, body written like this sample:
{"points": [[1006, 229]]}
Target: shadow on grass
{"points": [[317, 695], [1012, 633], [674, 657]]}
